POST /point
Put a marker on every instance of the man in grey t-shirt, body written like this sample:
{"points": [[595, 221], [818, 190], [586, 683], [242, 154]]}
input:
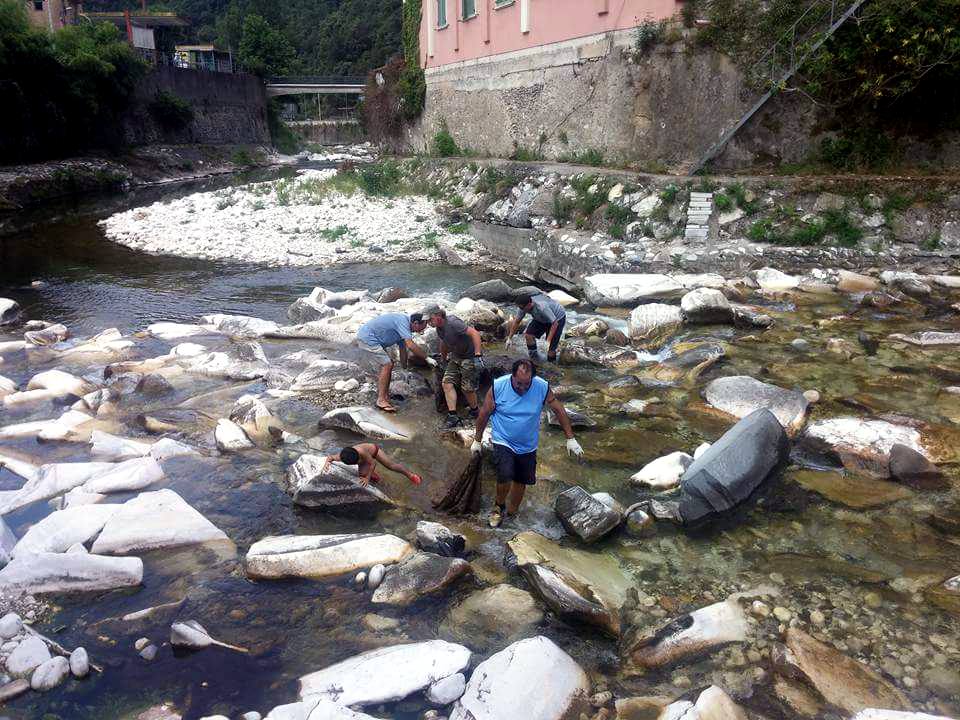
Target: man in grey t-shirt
{"points": [[547, 317], [462, 349]]}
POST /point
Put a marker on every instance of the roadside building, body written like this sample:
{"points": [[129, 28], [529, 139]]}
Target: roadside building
{"points": [[52, 14]]}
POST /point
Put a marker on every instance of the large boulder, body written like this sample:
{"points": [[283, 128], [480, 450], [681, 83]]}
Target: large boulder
{"points": [[861, 446], [316, 483], [773, 280], [241, 326], [310, 308], [30, 654], [664, 473], [492, 617], [367, 422], [386, 674], [322, 375], [49, 481], [127, 476], [737, 464], [651, 325], [703, 629], [419, 575], [532, 678], [9, 312], [492, 290], [71, 572], [63, 528], [577, 585], [436, 538], [585, 516], [841, 681], [929, 338], [741, 395], [706, 306], [613, 290], [155, 520], [322, 557]]}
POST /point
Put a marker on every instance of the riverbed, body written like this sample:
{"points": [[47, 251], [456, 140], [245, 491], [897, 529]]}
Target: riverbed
{"points": [[864, 576]]}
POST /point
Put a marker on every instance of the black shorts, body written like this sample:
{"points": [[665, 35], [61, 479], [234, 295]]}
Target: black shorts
{"points": [[512, 467], [539, 329]]}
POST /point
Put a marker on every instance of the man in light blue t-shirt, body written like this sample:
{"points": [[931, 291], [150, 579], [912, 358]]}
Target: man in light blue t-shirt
{"points": [[513, 406], [377, 337]]}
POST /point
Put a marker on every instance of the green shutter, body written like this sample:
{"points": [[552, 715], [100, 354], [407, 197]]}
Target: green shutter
{"points": [[441, 13], [469, 8]]}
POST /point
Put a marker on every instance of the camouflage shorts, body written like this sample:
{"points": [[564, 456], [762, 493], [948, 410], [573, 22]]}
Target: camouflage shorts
{"points": [[461, 374]]}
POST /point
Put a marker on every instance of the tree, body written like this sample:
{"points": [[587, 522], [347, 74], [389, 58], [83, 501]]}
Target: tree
{"points": [[264, 50]]}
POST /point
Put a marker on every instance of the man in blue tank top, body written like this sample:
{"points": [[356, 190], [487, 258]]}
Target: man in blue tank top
{"points": [[513, 407]]}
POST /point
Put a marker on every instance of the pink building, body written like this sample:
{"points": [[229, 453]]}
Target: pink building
{"points": [[454, 31]]}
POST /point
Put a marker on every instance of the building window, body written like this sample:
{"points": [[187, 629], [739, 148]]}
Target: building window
{"points": [[469, 9], [441, 13], [38, 4]]}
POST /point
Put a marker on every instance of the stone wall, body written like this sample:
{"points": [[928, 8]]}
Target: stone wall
{"points": [[227, 109], [329, 132]]}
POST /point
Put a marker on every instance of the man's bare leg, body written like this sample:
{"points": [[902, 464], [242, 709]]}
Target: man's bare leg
{"points": [[517, 491], [450, 393], [471, 399], [383, 386]]}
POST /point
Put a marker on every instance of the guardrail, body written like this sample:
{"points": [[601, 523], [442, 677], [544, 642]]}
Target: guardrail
{"points": [[178, 60], [351, 80]]}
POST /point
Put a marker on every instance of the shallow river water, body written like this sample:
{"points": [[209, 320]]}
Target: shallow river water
{"points": [[868, 571]]}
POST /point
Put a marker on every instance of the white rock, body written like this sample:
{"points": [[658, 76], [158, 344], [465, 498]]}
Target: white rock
{"points": [[376, 575], [174, 331], [58, 572], [78, 548], [322, 557], [10, 626], [626, 290], [30, 654], [129, 475], [774, 280], [706, 305], [167, 448], [230, 437], [110, 447], [874, 714], [862, 445], [153, 520], [8, 541], [386, 674], [533, 678], [56, 429], [647, 206], [701, 449], [7, 386], [60, 382], [447, 690], [664, 472], [240, 325], [565, 299], [929, 338], [50, 674], [741, 395], [316, 709], [50, 481], [63, 528], [654, 323]]}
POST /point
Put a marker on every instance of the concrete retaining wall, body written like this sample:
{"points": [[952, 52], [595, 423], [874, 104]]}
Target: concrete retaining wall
{"points": [[329, 132], [227, 109]]}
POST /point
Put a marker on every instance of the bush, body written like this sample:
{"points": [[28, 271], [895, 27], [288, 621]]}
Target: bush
{"points": [[648, 34], [283, 138], [380, 178], [443, 143], [723, 202], [412, 85], [839, 224], [669, 194]]}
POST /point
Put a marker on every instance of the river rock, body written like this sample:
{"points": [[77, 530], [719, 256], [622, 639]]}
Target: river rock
{"points": [[929, 338], [862, 446], [386, 674], [686, 365], [61, 529], [436, 538], [704, 629], [593, 327], [247, 364], [651, 325], [105, 446], [49, 481], [492, 290], [62, 573], [851, 282], [230, 437], [10, 626], [627, 290], [323, 375], [50, 674], [841, 681], [322, 557], [742, 395], [60, 383], [61, 428], [447, 690], [332, 486], [706, 306], [911, 468], [8, 541], [367, 422], [851, 490], [316, 709], [13, 689], [129, 475], [584, 515], [737, 464], [417, 576], [30, 654], [532, 674], [773, 280], [664, 473], [310, 308], [9, 311], [79, 663], [155, 520], [747, 316], [577, 585], [240, 325], [875, 714], [50, 335], [492, 617]]}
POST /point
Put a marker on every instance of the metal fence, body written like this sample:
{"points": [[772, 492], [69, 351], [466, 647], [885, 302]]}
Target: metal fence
{"points": [[318, 80], [182, 61]]}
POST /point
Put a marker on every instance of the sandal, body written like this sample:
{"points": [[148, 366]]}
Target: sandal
{"points": [[386, 408]]}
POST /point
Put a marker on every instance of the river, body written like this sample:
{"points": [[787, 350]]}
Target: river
{"points": [[830, 552]]}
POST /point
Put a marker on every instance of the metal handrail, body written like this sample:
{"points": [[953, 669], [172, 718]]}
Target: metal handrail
{"points": [[177, 60], [351, 80]]}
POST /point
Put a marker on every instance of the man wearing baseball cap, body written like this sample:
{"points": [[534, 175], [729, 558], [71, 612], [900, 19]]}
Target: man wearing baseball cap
{"points": [[462, 349], [376, 339]]}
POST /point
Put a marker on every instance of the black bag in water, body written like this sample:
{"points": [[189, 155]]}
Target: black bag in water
{"points": [[461, 496]]}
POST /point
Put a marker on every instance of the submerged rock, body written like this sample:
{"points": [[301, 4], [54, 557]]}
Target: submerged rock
{"points": [[742, 395], [110, 447], [419, 575], [154, 520], [862, 446], [912, 468], [74, 572], [57, 532], [850, 490], [322, 557], [577, 585], [492, 617], [584, 515], [316, 483], [737, 464], [386, 674], [701, 630], [436, 538], [532, 678], [367, 422], [230, 437]]}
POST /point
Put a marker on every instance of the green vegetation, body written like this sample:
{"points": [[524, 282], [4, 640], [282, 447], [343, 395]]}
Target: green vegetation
{"points": [[412, 85], [334, 233], [723, 202], [443, 143], [64, 91], [648, 34], [563, 208], [523, 154], [591, 157], [284, 139], [460, 228], [170, 111], [243, 157], [429, 240], [669, 194], [835, 223]]}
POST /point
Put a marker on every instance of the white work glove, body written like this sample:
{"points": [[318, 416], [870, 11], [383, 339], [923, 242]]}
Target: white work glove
{"points": [[476, 448], [573, 448], [431, 362]]}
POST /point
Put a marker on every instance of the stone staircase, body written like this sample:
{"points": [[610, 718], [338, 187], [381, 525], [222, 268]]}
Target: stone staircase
{"points": [[698, 216]]}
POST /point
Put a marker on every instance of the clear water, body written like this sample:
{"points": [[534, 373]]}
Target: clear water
{"points": [[817, 553]]}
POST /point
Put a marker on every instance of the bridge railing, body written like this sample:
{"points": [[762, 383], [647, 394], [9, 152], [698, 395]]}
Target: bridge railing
{"points": [[318, 80], [177, 60]]}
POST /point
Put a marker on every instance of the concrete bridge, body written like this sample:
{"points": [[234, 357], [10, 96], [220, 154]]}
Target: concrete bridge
{"points": [[315, 85]]}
